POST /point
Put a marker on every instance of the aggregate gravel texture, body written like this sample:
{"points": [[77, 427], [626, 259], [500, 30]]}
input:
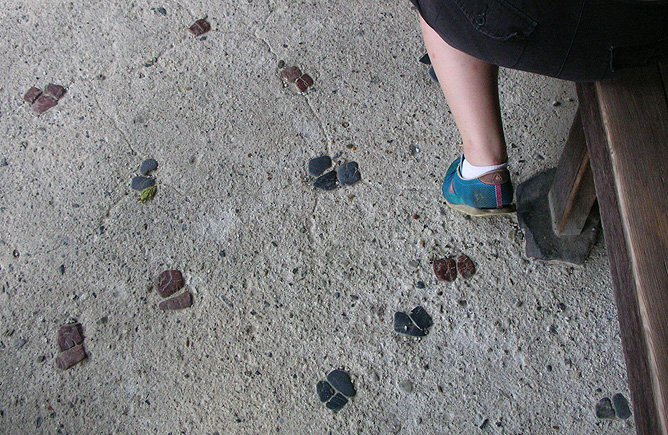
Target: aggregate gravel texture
{"points": [[288, 282]]}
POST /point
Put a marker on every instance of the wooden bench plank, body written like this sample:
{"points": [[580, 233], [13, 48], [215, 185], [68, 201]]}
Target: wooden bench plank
{"points": [[630, 162]]}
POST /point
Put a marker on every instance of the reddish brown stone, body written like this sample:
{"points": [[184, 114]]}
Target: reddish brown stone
{"points": [[69, 336], [291, 73], [445, 269], [56, 91], [308, 81], [184, 300], [169, 282], [200, 27], [70, 357], [465, 266], [43, 103], [32, 95]]}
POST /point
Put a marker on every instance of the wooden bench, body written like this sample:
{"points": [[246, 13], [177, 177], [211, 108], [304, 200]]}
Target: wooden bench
{"points": [[617, 156]]}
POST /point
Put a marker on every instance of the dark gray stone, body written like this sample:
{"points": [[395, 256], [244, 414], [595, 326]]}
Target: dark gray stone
{"points": [[420, 285], [621, 406], [318, 165], [533, 214], [325, 391], [404, 325], [326, 182], [3, 162], [160, 11], [348, 174], [341, 382], [337, 402], [604, 408], [148, 166], [421, 319], [140, 183]]}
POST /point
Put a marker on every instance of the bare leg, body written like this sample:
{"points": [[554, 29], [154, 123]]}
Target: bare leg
{"points": [[471, 88]]}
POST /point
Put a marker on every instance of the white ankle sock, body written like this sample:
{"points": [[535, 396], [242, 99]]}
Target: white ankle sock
{"points": [[470, 172]]}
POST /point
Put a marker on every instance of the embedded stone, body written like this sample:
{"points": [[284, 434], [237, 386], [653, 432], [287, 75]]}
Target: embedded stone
{"points": [[291, 73], [70, 357], [140, 183], [318, 165], [621, 406], [326, 182], [604, 408], [184, 300], [465, 267], [304, 82], [148, 166], [56, 91], [69, 336], [200, 27], [445, 269], [325, 391], [337, 402], [341, 382], [421, 319], [169, 282], [43, 103], [404, 325], [32, 95], [348, 174]]}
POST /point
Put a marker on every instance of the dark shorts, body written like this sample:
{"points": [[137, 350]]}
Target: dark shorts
{"points": [[579, 40]]}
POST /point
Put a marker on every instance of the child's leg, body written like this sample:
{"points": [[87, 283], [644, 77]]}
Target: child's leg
{"points": [[470, 87]]}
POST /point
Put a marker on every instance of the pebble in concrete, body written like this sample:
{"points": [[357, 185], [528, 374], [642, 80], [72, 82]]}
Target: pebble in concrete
{"points": [[69, 336], [326, 182], [406, 386], [140, 183], [604, 409], [445, 269], [70, 357], [416, 324], [184, 300], [291, 73], [43, 103], [341, 382], [465, 267], [335, 389], [318, 165], [325, 391], [32, 95], [621, 406], [56, 91], [200, 27], [169, 282], [148, 166], [348, 174]]}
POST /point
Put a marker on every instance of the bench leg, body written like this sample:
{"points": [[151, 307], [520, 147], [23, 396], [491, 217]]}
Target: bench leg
{"points": [[555, 208]]}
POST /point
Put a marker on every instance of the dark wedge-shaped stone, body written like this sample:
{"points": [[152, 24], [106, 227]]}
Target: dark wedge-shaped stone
{"points": [[348, 174], [421, 318], [184, 300], [140, 183], [291, 73], [318, 165], [43, 103], [404, 325], [325, 391], [169, 282], [604, 409], [337, 402], [465, 267], [200, 27], [70, 357], [621, 406], [32, 95], [69, 336], [148, 166], [445, 269], [326, 182], [56, 91], [341, 382]]}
